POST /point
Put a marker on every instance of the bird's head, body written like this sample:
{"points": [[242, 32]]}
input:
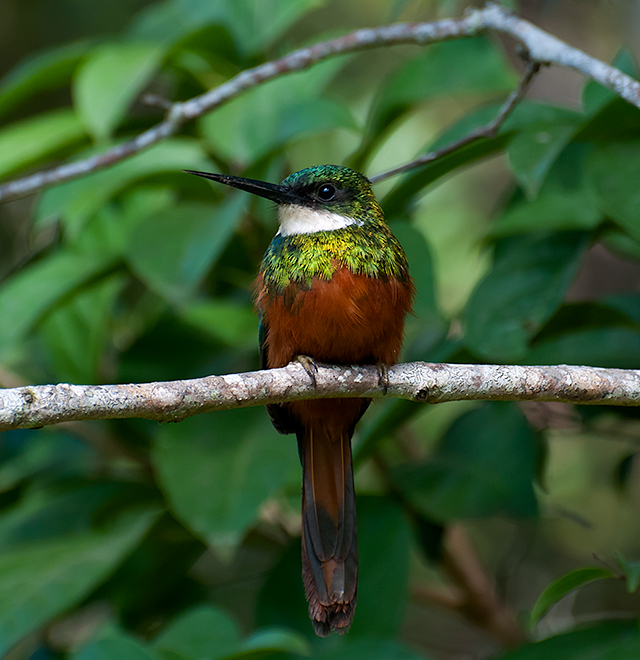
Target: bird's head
{"points": [[318, 198]]}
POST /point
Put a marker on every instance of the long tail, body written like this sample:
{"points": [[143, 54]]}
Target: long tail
{"points": [[329, 528]]}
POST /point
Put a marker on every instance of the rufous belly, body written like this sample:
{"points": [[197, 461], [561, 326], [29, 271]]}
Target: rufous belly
{"points": [[350, 319]]}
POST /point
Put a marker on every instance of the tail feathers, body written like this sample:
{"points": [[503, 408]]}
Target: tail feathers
{"points": [[329, 529]]}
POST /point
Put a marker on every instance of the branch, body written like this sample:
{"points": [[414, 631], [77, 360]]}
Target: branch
{"points": [[487, 131], [480, 602], [474, 594], [540, 45], [41, 405]]}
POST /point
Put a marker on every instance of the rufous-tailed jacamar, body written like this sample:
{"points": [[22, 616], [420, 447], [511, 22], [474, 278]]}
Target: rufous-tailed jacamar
{"points": [[334, 287]]}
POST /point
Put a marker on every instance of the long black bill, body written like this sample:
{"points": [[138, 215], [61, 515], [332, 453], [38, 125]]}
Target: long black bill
{"points": [[278, 194]]}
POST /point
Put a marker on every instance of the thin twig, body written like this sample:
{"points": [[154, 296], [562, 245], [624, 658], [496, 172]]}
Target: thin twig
{"points": [[541, 46], [481, 601], [474, 594], [449, 599], [41, 405], [156, 101], [488, 131]]}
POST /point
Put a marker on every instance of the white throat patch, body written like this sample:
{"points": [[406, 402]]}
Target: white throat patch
{"points": [[304, 220]]}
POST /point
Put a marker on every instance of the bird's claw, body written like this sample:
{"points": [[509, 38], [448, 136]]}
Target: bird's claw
{"points": [[309, 365], [383, 376]]}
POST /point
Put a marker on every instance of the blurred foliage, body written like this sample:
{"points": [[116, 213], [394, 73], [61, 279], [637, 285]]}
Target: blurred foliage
{"points": [[142, 541]]}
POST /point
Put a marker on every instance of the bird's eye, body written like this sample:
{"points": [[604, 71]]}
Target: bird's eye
{"points": [[326, 192]]}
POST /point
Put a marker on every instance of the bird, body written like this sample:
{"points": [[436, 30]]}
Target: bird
{"points": [[333, 287]]}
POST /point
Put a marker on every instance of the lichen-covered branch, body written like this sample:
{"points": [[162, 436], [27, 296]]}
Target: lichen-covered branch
{"points": [[41, 405], [540, 45]]}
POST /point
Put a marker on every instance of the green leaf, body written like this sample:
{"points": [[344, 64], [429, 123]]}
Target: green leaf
{"points": [[397, 204], [172, 250], [207, 633], [39, 581], [168, 23], [109, 80], [33, 453], [201, 633], [483, 466], [425, 327], [631, 571], [466, 66], [583, 315], [76, 332], [42, 136], [534, 149], [46, 70], [611, 640], [528, 281], [75, 202], [550, 211], [371, 649], [26, 296], [254, 23], [105, 233], [425, 307], [384, 539], [380, 424], [113, 644], [595, 97], [111, 228], [266, 642], [628, 304], [620, 243], [613, 171], [558, 589], [264, 118], [233, 323], [617, 121], [611, 347], [258, 23], [217, 470], [281, 600], [49, 512]]}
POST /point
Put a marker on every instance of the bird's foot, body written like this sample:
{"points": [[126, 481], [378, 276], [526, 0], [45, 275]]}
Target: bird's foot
{"points": [[383, 376], [309, 365]]}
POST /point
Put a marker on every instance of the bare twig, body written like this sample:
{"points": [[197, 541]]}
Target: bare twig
{"points": [[481, 602], [541, 46], [473, 593], [155, 101], [488, 131], [35, 406], [451, 598]]}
